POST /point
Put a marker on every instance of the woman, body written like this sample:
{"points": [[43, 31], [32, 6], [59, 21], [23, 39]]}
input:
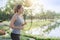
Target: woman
{"points": [[17, 22]]}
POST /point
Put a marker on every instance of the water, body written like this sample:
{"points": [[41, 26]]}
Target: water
{"points": [[53, 33]]}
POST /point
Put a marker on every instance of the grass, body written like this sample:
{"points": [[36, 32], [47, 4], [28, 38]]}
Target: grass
{"points": [[27, 37], [35, 24]]}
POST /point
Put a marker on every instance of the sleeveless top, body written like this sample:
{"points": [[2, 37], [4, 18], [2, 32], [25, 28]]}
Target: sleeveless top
{"points": [[19, 21]]}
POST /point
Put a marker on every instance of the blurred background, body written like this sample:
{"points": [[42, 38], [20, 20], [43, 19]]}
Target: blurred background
{"points": [[42, 17]]}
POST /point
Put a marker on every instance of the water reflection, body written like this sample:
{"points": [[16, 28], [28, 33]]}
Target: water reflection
{"points": [[53, 33]]}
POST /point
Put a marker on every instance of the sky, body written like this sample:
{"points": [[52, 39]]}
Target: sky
{"points": [[53, 5], [3, 3]]}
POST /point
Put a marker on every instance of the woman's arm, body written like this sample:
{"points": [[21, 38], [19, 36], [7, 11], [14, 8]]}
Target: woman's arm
{"points": [[12, 23]]}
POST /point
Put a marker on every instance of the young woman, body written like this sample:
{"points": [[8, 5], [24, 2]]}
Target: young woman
{"points": [[17, 22]]}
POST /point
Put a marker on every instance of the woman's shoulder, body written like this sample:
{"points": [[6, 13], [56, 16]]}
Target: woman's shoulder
{"points": [[14, 16]]}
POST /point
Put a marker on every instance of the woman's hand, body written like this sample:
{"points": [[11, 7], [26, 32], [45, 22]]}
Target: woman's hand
{"points": [[24, 24], [2, 32]]}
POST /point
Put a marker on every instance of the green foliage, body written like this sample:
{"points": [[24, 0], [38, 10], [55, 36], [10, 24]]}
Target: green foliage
{"points": [[25, 36], [4, 16], [46, 15]]}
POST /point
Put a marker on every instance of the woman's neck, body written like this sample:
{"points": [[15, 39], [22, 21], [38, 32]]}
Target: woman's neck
{"points": [[19, 14]]}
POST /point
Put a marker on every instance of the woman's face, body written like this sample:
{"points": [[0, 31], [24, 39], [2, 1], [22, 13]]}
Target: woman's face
{"points": [[21, 10]]}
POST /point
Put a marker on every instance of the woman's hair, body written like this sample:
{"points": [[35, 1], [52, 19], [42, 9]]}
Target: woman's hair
{"points": [[17, 8]]}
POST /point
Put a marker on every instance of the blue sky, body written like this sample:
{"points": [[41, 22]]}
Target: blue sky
{"points": [[3, 3], [53, 5]]}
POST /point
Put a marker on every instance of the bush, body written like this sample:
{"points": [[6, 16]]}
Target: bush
{"points": [[4, 16]]}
